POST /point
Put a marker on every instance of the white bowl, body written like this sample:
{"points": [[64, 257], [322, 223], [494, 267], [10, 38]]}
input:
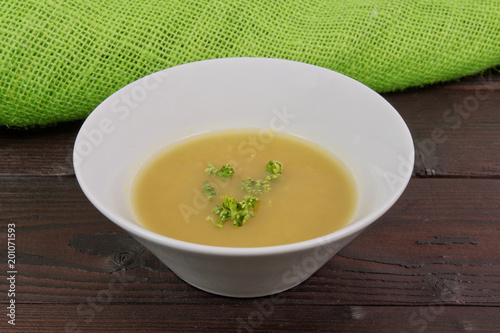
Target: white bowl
{"points": [[337, 112]]}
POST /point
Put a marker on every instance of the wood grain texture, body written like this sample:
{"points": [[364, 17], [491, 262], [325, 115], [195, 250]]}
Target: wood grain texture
{"points": [[38, 152], [437, 242], [254, 316], [455, 127]]}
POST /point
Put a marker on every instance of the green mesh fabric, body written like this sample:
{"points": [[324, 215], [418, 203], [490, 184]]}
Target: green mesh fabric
{"points": [[60, 59]]}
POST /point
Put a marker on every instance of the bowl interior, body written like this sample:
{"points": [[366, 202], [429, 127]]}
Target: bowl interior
{"points": [[337, 112]]}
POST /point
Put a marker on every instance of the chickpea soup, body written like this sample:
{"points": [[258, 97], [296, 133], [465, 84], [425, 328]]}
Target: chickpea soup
{"points": [[244, 188]]}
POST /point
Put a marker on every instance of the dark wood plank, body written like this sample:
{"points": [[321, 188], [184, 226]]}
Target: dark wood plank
{"points": [[440, 240], [38, 151], [455, 126], [449, 143], [252, 315]]}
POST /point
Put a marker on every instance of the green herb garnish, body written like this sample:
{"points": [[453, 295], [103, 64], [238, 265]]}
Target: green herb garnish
{"points": [[208, 190], [275, 169], [239, 211], [255, 187], [225, 172], [231, 209]]}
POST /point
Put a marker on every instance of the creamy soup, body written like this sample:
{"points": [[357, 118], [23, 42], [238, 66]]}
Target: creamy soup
{"points": [[313, 194]]}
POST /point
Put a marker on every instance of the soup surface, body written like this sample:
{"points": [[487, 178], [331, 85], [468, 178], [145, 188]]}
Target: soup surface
{"points": [[314, 196]]}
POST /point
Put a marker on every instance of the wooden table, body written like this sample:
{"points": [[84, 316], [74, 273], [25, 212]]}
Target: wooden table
{"points": [[430, 264]]}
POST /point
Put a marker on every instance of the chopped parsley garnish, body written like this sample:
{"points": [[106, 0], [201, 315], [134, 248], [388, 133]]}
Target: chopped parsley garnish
{"points": [[231, 209], [275, 169], [225, 172], [239, 211], [208, 190], [255, 187]]}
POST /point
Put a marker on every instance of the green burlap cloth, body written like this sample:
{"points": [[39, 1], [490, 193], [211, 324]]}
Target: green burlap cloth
{"points": [[60, 59]]}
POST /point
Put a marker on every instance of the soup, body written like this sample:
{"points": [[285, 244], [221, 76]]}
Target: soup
{"points": [[298, 190]]}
